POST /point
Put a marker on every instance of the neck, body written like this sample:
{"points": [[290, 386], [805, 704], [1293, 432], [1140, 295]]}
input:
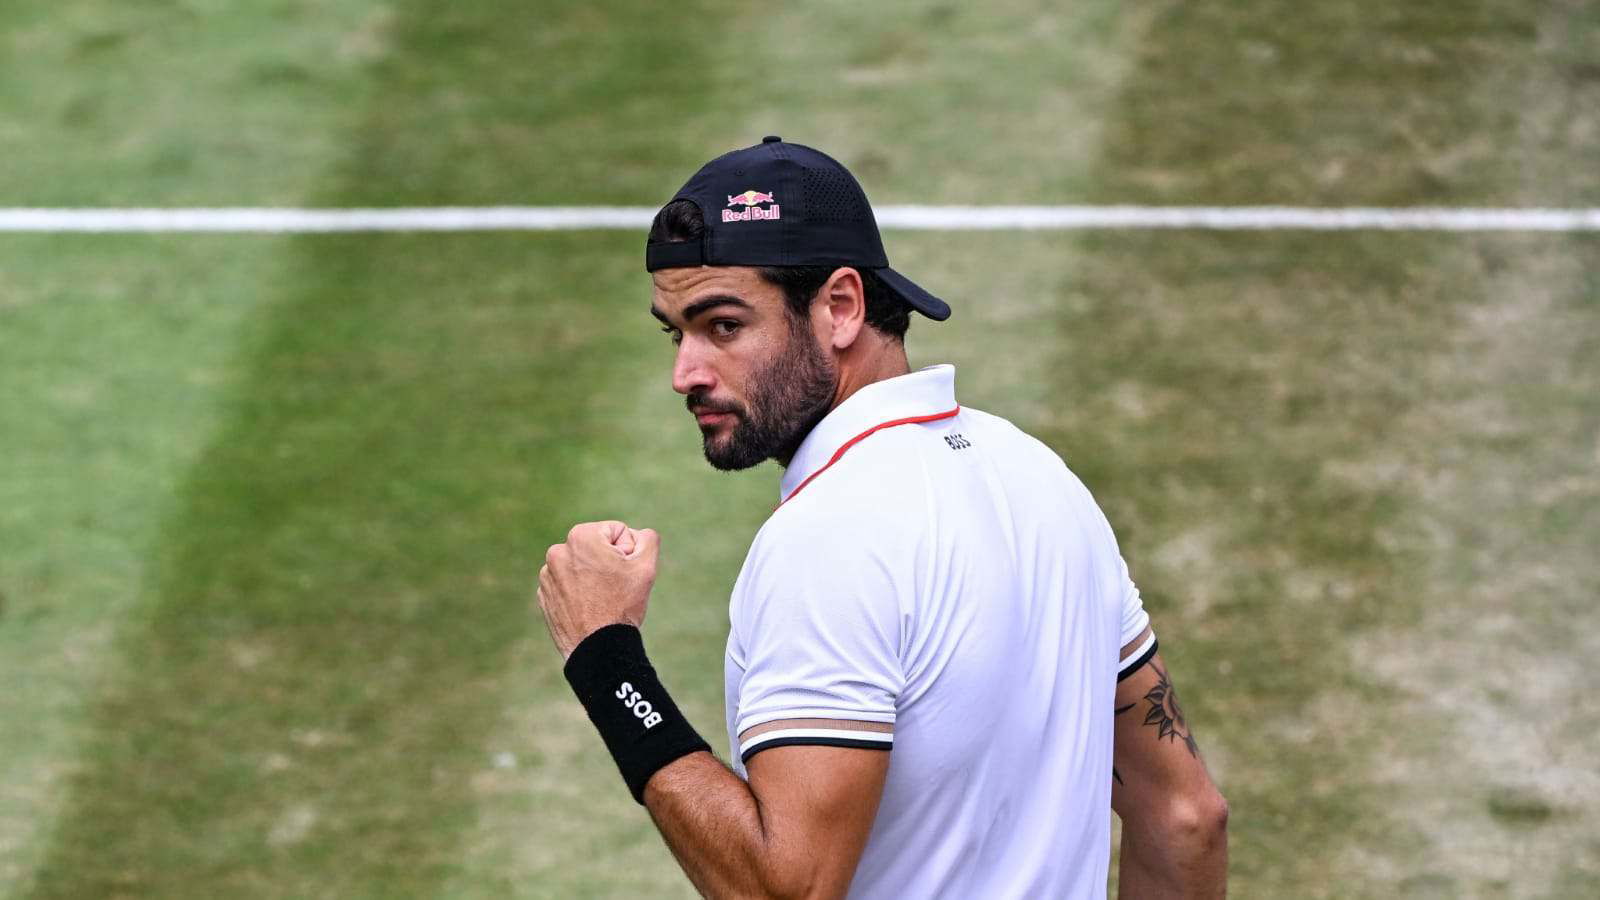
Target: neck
{"points": [[880, 361], [885, 360]]}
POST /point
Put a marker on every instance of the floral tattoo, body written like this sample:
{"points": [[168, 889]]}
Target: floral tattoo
{"points": [[1166, 715]]}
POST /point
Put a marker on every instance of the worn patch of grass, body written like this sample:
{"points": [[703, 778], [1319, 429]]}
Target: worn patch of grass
{"points": [[1234, 400], [1349, 104], [1326, 453], [1507, 507]]}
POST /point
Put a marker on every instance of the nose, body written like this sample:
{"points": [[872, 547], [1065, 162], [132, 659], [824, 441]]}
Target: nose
{"points": [[690, 371]]}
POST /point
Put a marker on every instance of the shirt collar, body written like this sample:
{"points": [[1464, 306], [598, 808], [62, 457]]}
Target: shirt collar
{"points": [[926, 392]]}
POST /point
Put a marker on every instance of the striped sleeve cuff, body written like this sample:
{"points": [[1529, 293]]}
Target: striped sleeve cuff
{"points": [[1138, 658], [820, 737]]}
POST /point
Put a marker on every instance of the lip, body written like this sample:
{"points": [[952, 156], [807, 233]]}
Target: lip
{"points": [[711, 418]]}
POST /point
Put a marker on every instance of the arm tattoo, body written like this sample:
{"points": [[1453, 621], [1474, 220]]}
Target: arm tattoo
{"points": [[1114, 773], [1165, 713]]}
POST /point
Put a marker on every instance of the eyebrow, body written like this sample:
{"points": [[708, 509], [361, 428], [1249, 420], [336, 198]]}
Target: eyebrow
{"points": [[699, 307]]}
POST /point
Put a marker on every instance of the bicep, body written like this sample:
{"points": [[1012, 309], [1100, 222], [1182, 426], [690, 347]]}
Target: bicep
{"points": [[818, 800], [1156, 758]]}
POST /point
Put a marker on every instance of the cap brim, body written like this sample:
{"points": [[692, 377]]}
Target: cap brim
{"points": [[919, 299]]}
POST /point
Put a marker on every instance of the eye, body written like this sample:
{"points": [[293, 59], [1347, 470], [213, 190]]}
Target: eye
{"points": [[725, 327], [675, 334]]}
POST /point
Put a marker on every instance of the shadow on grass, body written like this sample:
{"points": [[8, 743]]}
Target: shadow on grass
{"points": [[301, 709]]}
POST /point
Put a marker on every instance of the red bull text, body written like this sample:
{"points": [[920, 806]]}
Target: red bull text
{"points": [[751, 211]]}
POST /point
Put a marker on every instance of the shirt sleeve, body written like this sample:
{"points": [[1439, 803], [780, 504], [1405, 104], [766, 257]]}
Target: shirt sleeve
{"points": [[820, 627], [1134, 621]]}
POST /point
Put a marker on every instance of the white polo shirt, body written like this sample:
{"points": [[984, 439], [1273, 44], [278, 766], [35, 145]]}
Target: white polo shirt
{"points": [[934, 568]]}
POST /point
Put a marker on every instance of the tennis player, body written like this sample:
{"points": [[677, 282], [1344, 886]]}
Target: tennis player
{"points": [[940, 678]]}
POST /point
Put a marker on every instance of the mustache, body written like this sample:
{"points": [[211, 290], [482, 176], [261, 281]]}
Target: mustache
{"points": [[699, 403]]}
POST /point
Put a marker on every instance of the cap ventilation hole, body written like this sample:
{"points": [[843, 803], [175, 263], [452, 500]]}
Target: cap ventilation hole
{"points": [[833, 197]]}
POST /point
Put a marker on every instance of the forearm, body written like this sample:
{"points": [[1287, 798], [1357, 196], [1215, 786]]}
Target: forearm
{"points": [[1174, 820], [713, 824], [709, 817], [797, 828]]}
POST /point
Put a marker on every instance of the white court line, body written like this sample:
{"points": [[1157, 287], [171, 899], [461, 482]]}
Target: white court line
{"points": [[934, 218]]}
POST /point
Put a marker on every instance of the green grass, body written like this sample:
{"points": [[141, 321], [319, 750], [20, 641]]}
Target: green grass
{"points": [[272, 507], [115, 351], [1311, 461], [334, 599], [301, 699], [179, 102]]}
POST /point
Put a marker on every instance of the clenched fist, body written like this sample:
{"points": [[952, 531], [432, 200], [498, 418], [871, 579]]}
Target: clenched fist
{"points": [[601, 576]]}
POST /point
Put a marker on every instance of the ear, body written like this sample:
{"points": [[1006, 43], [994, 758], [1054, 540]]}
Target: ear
{"points": [[845, 304]]}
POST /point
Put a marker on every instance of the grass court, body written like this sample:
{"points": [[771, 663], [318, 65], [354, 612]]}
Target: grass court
{"points": [[271, 508]]}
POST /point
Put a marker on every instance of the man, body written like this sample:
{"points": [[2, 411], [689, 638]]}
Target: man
{"points": [[940, 678]]}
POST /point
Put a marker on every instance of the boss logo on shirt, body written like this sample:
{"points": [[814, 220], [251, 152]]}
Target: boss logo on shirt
{"points": [[957, 441], [640, 706]]}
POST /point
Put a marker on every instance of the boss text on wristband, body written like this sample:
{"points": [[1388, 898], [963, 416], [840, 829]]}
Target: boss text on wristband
{"points": [[635, 716]]}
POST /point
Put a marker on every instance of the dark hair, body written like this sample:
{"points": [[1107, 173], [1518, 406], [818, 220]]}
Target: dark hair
{"points": [[681, 220]]}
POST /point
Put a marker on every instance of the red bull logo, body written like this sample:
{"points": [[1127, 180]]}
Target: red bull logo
{"points": [[752, 212]]}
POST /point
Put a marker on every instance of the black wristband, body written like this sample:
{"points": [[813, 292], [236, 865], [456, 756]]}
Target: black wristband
{"points": [[636, 718]]}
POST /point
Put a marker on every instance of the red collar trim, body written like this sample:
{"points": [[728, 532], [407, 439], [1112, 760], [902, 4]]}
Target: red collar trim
{"points": [[913, 420]]}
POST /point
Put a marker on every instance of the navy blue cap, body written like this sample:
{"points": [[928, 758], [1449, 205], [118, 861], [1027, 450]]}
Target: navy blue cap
{"points": [[783, 204]]}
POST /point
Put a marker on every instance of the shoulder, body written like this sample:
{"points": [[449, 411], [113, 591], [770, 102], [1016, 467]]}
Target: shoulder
{"points": [[835, 583], [1009, 436], [842, 522], [1038, 483], [879, 483], [851, 531]]}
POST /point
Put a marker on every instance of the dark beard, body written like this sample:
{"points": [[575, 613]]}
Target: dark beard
{"points": [[787, 399]]}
